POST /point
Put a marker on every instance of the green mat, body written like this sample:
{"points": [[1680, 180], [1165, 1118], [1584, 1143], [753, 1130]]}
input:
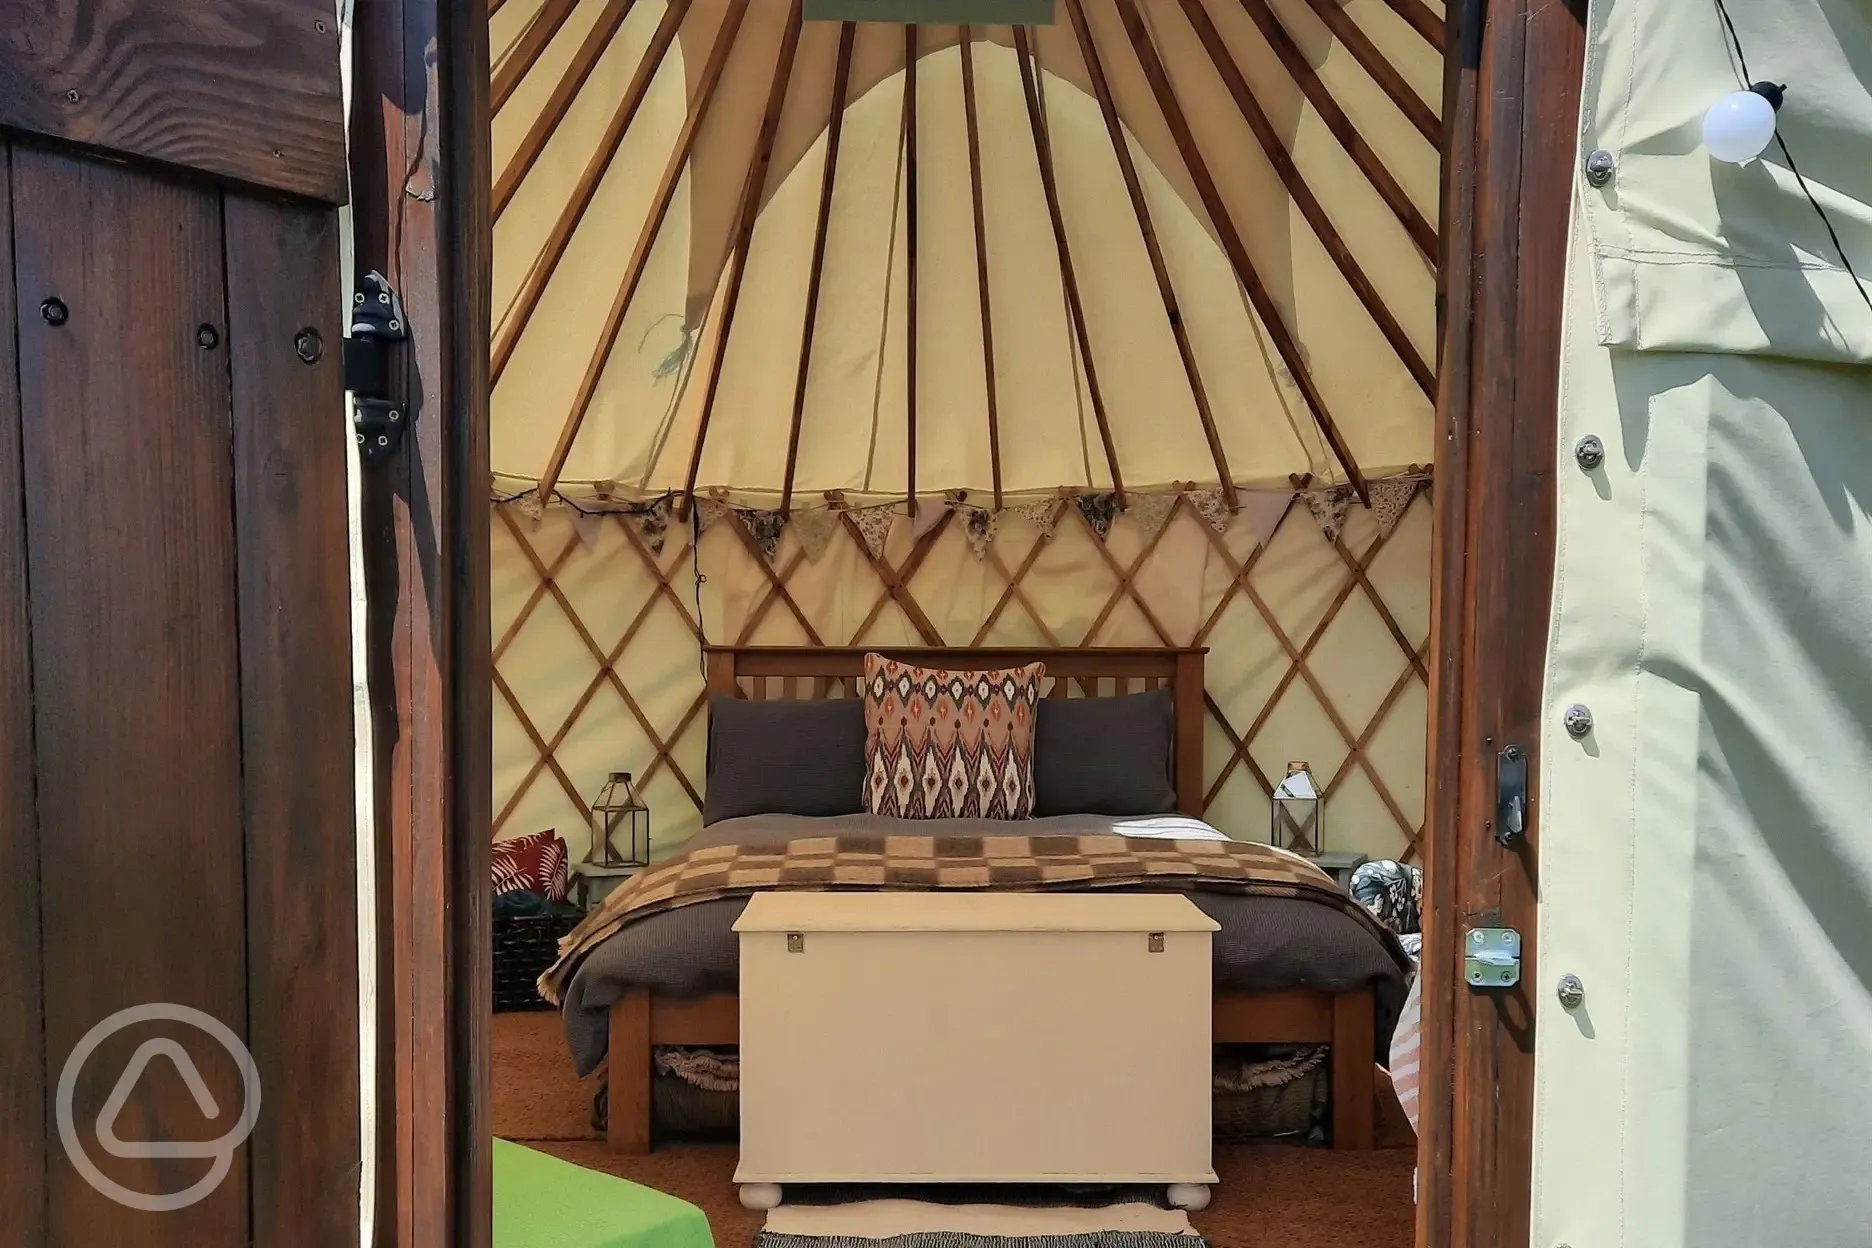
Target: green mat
{"points": [[542, 1202]]}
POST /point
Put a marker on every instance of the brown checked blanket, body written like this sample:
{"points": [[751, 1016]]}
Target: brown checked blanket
{"points": [[991, 863]]}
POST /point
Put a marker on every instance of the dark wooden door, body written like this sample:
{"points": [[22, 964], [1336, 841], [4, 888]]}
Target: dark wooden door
{"points": [[177, 831]]}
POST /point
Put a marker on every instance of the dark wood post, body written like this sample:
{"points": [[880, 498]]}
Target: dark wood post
{"points": [[421, 179], [1510, 107]]}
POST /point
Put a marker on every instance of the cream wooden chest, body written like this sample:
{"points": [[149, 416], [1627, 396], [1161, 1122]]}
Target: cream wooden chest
{"points": [[949, 1037]]}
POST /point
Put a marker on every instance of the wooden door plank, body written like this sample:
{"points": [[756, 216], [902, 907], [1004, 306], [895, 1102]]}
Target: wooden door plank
{"points": [[23, 1101], [137, 703], [243, 89], [295, 664]]}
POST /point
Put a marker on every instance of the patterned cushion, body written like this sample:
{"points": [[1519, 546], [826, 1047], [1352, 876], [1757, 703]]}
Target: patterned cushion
{"points": [[949, 744], [531, 864]]}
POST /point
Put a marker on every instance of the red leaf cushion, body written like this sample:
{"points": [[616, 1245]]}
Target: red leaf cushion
{"points": [[531, 864]]}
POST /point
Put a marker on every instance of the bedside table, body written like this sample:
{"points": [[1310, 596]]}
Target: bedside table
{"points": [[592, 882], [1340, 866]]}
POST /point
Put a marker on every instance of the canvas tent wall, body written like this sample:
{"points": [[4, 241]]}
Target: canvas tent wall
{"points": [[1086, 333], [1705, 869]]}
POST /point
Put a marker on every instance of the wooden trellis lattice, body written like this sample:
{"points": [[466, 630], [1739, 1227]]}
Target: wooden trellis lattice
{"points": [[550, 551]]}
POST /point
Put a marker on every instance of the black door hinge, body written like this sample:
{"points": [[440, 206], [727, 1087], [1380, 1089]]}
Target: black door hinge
{"points": [[1511, 793], [376, 322]]}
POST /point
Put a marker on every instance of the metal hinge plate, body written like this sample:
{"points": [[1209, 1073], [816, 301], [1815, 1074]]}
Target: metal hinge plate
{"points": [[1491, 957], [376, 321]]}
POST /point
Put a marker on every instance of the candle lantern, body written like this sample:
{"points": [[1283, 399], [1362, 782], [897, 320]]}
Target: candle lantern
{"points": [[619, 817], [1299, 809]]}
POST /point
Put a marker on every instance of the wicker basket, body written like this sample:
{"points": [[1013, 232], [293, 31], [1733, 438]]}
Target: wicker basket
{"points": [[524, 946]]}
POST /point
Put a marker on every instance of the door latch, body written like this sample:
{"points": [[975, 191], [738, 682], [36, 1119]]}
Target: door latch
{"points": [[1491, 957], [377, 419], [1511, 767]]}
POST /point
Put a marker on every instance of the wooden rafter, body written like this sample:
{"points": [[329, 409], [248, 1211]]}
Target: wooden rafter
{"points": [[646, 240], [752, 188], [973, 123], [1265, 308], [1421, 232], [527, 50], [540, 275], [1418, 17], [1121, 149], [1304, 198], [835, 128], [910, 259], [1043, 153], [1382, 72]]}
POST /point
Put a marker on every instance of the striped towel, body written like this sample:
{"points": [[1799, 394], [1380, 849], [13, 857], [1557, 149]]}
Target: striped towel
{"points": [[1405, 1066]]}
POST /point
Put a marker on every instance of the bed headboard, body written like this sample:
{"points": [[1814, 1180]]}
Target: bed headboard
{"points": [[773, 672]]}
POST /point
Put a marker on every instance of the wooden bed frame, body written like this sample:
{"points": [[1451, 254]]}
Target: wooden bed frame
{"points": [[641, 1021]]}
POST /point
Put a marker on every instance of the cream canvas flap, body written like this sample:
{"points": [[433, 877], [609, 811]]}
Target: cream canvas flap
{"points": [[1691, 254]]}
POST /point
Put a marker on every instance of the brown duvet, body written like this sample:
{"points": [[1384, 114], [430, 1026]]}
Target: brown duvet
{"points": [[1283, 924]]}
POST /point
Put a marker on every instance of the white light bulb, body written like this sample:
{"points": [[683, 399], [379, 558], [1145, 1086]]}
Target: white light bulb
{"points": [[1740, 126]]}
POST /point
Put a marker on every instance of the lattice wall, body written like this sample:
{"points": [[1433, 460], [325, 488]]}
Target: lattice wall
{"points": [[1317, 649]]}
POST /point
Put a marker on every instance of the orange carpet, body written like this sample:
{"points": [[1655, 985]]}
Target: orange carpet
{"points": [[1270, 1196]]}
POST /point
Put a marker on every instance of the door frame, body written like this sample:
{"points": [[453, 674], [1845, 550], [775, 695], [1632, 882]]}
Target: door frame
{"points": [[420, 177]]}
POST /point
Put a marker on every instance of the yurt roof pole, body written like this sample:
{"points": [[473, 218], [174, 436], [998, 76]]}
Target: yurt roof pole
{"points": [[1043, 151], [1088, 50], [910, 260], [749, 210], [547, 263], [564, 92], [646, 241], [973, 122], [1347, 32], [527, 50], [1304, 198], [1264, 305], [1422, 233], [835, 128]]}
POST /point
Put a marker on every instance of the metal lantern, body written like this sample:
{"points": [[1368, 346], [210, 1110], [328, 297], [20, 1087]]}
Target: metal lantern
{"points": [[1299, 812], [619, 812]]}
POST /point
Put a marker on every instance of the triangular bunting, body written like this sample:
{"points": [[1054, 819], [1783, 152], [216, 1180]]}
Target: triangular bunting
{"points": [[1039, 513], [1212, 506], [651, 520], [1329, 509], [1150, 512], [1099, 511], [1390, 499], [1263, 510], [708, 511], [587, 524], [814, 529], [929, 514], [874, 525], [980, 525], [765, 527]]}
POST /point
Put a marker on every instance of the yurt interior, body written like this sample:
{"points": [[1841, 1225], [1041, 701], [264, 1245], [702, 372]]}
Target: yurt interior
{"points": [[962, 508]]}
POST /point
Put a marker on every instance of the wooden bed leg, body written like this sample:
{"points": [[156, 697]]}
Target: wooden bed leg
{"points": [[1354, 1077], [627, 1116]]}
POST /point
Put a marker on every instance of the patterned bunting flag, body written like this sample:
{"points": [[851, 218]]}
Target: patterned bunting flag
{"points": [[1212, 506], [1329, 509], [651, 520], [1390, 499], [815, 528], [765, 527], [530, 506], [708, 511], [874, 525], [1150, 512], [1039, 513], [980, 525], [1099, 511]]}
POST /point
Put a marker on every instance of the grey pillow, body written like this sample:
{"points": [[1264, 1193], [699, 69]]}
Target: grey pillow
{"points": [[784, 758], [1105, 756]]}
